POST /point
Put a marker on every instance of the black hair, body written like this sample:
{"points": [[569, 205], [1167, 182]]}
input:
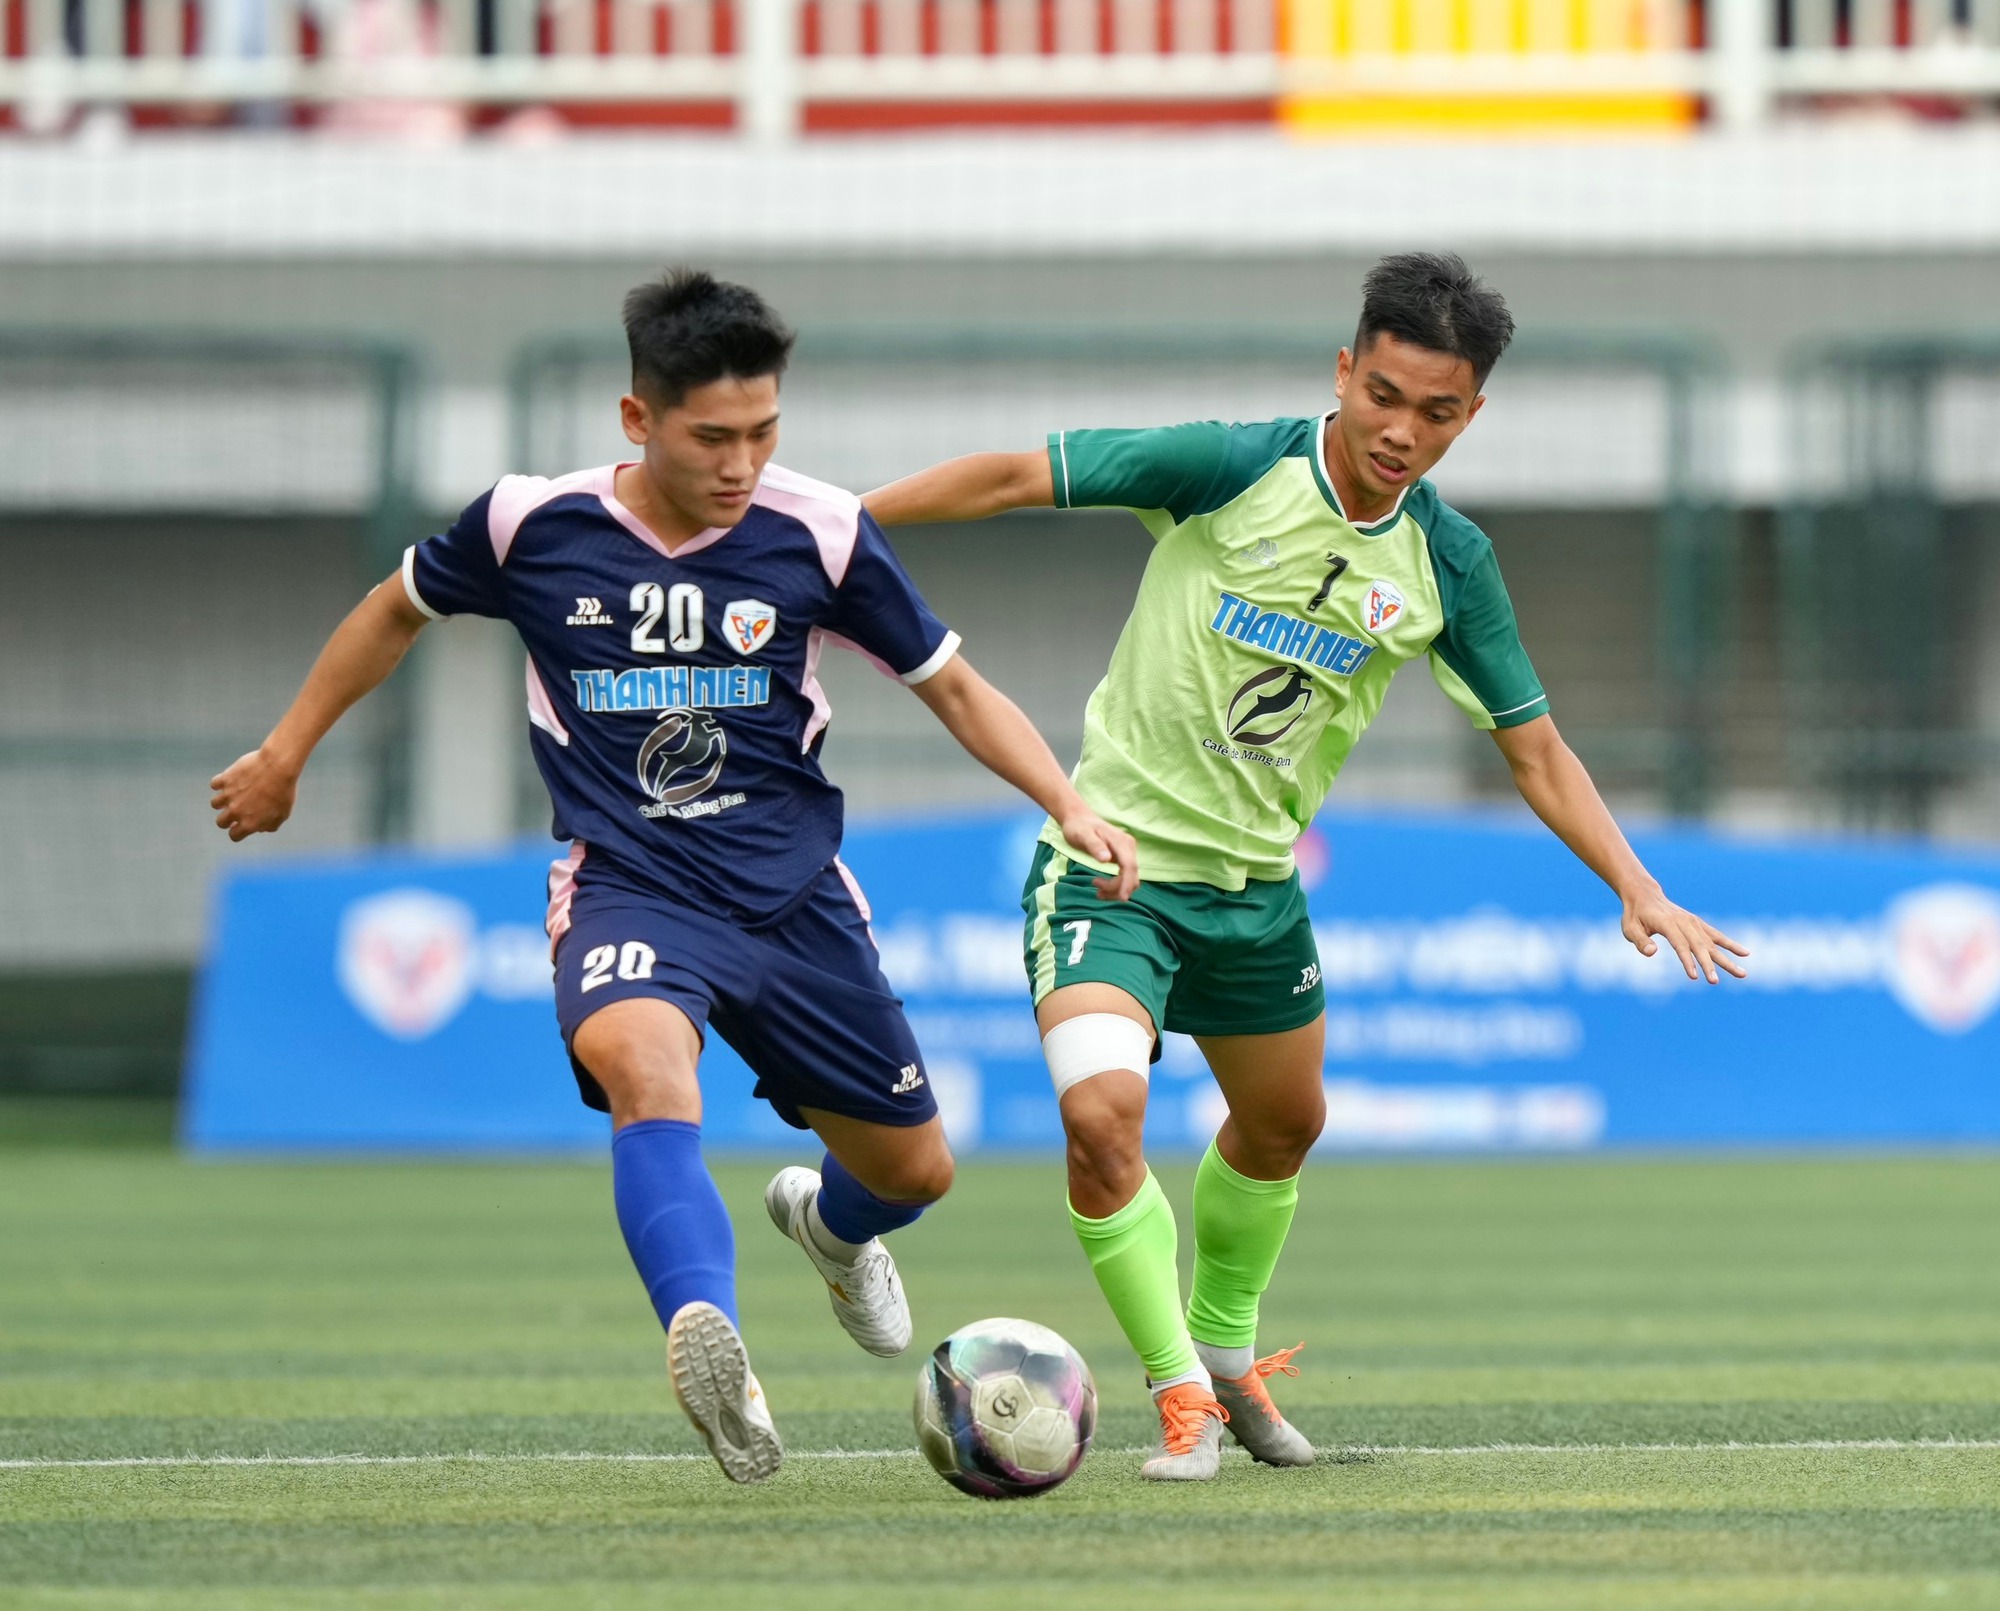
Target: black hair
{"points": [[687, 328], [1432, 299]]}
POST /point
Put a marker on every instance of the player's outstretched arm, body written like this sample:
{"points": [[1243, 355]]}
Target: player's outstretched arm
{"points": [[1553, 781], [998, 735], [255, 794], [970, 488]]}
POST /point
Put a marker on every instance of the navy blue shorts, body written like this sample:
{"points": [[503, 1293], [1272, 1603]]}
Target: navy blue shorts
{"points": [[803, 1001]]}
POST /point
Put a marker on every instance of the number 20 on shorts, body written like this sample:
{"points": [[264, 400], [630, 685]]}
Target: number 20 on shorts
{"points": [[633, 960]]}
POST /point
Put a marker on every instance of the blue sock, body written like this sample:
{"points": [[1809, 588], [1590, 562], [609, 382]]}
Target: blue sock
{"points": [[853, 1212], [675, 1226]]}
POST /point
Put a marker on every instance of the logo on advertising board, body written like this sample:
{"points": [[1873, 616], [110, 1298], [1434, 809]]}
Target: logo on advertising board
{"points": [[405, 959], [1943, 955], [1480, 994], [1385, 603], [749, 623], [410, 960]]}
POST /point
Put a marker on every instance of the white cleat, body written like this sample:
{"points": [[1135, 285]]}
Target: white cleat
{"points": [[1256, 1422], [1190, 1447], [713, 1380], [867, 1294]]}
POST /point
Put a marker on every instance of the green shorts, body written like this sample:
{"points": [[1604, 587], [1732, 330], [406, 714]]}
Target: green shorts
{"points": [[1201, 960]]}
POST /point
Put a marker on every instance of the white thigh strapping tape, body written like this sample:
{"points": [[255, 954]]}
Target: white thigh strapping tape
{"points": [[1094, 1043]]}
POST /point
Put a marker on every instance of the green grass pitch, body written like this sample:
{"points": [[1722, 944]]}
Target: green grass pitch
{"points": [[1582, 1384]]}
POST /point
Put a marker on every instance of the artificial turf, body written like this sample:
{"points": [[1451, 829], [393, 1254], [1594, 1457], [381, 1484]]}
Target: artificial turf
{"points": [[1628, 1319]]}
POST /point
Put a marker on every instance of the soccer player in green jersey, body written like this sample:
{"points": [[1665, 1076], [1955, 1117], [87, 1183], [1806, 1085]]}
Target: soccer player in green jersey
{"points": [[1298, 565]]}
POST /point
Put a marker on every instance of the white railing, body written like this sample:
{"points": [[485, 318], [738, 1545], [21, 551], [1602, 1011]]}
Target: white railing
{"points": [[761, 63]]}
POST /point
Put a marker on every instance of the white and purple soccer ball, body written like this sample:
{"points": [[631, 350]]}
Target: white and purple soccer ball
{"points": [[1005, 1409]]}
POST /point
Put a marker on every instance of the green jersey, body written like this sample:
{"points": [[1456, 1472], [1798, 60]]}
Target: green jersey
{"points": [[1264, 636]]}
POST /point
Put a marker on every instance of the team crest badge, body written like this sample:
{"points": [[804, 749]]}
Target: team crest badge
{"points": [[406, 960], [1943, 955], [749, 624], [1385, 604]]}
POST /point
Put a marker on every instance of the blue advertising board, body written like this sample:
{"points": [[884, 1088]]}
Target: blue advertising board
{"points": [[1479, 995]]}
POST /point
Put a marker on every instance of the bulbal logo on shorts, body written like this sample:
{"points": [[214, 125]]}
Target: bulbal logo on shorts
{"points": [[1269, 705], [680, 760], [1943, 955], [406, 959]]}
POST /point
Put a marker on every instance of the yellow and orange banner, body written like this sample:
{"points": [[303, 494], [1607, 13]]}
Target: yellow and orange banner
{"points": [[1396, 67]]}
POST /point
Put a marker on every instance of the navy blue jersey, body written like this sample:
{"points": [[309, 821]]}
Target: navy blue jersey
{"points": [[675, 705]]}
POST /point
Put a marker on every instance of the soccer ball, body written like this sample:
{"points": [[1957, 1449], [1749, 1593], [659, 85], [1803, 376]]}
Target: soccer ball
{"points": [[1005, 1409]]}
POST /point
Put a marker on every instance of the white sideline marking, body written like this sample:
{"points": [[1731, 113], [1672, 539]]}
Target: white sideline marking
{"points": [[1731, 1446], [686, 1457], [579, 1457]]}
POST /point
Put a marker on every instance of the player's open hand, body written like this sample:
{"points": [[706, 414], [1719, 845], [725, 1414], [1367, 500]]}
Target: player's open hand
{"points": [[1089, 833], [1701, 946], [253, 795]]}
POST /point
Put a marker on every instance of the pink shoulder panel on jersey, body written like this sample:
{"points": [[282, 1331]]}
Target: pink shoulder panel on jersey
{"points": [[515, 497], [831, 514]]}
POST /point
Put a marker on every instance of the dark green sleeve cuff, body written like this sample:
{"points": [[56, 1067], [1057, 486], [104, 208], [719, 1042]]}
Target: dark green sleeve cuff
{"points": [[1059, 469]]}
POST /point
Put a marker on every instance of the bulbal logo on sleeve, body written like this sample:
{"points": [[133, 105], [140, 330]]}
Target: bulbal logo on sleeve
{"points": [[748, 624]]}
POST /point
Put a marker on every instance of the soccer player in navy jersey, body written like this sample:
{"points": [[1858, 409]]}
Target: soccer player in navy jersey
{"points": [[674, 610]]}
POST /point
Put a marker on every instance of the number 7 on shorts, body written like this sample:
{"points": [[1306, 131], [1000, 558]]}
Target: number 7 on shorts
{"points": [[1078, 930]]}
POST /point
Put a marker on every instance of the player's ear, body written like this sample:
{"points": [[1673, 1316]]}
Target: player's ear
{"points": [[1343, 366], [636, 417], [1478, 403]]}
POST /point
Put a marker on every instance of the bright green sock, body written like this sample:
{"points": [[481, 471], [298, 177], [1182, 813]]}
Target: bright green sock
{"points": [[1132, 1254], [1239, 1230]]}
